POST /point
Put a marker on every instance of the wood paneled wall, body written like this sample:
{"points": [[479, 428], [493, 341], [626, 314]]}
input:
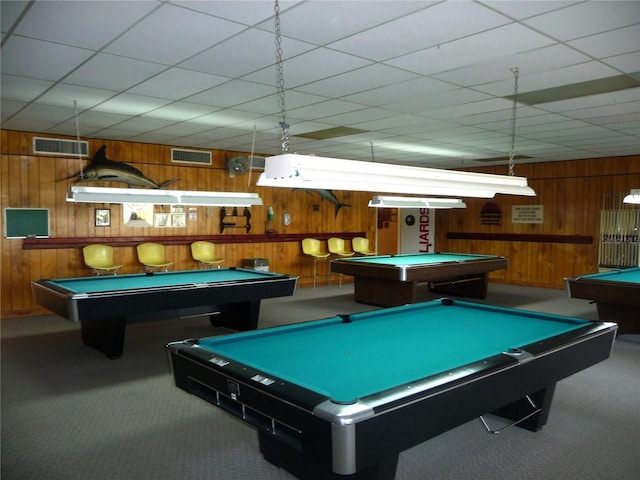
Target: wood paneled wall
{"points": [[30, 181], [572, 194]]}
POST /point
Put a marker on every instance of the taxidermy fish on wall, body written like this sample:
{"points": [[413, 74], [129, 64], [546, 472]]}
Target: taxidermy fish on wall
{"points": [[101, 169], [327, 195]]}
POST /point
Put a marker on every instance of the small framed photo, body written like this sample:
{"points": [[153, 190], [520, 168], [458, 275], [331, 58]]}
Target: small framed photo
{"points": [[103, 217]]}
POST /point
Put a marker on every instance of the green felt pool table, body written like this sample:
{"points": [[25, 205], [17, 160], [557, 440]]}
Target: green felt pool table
{"points": [[616, 293], [105, 304], [342, 397], [392, 280]]}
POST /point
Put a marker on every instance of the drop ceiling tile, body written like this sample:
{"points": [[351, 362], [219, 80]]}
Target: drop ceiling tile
{"points": [[309, 67], [355, 81], [596, 17], [180, 111], [500, 42], [64, 95], [22, 89], [244, 53], [241, 11], [322, 22], [128, 104], [400, 91], [26, 57], [325, 109], [618, 42], [90, 24], [46, 113], [629, 62], [10, 12], [98, 72], [524, 9], [231, 94], [544, 59], [436, 25], [172, 34], [177, 83]]}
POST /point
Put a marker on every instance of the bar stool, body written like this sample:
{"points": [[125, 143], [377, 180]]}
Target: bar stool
{"points": [[205, 254], [151, 255], [99, 258], [336, 246], [361, 246], [311, 247]]}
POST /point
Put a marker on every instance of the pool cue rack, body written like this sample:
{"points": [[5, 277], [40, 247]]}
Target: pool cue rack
{"points": [[232, 220]]}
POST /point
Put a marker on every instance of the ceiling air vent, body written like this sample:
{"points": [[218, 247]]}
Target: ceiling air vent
{"points": [[179, 155], [56, 146]]}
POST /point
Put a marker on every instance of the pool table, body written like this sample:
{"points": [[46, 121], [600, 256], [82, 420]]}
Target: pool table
{"points": [[341, 397], [392, 280], [616, 293], [104, 305]]}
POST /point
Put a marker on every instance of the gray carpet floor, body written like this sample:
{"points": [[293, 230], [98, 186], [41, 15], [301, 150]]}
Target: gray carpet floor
{"points": [[69, 413]]}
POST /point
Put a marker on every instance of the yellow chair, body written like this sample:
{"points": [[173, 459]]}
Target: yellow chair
{"points": [[204, 253], [311, 247], [100, 258], [361, 245], [151, 255], [336, 246]]}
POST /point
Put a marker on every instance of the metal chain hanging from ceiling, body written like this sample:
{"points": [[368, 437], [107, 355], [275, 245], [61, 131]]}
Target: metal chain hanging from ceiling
{"points": [[280, 80], [516, 73]]}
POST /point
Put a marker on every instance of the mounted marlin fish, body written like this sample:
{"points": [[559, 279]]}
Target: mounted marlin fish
{"points": [[327, 195], [101, 169]]}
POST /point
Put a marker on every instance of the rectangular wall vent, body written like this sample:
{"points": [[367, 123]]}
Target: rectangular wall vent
{"points": [[198, 157], [257, 163], [56, 146]]}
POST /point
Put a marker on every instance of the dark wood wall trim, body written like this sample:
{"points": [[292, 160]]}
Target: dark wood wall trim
{"points": [[522, 237], [77, 242]]}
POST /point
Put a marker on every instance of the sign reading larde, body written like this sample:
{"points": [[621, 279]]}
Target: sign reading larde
{"points": [[417, 230], [527, 214]]}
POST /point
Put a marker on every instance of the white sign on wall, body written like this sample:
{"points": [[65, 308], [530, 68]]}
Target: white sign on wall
{"points": [[527, 214], [417, 230]]}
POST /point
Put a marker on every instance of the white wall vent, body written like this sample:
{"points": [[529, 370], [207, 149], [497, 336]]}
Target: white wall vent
{"points": [[257, 163], [179, 155], [57, 146]]}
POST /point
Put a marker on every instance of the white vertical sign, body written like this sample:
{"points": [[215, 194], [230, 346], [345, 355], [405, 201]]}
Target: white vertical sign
{"points": [[417, 230]]}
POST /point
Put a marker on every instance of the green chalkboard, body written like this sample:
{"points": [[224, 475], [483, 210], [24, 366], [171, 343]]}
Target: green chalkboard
{"points": [[26, 222]]}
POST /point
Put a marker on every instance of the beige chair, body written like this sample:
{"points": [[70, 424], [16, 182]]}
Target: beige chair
{"points": [[336, 246], [361, 245], [100, 258], [151, 255], [205, 254], [312, 248]]}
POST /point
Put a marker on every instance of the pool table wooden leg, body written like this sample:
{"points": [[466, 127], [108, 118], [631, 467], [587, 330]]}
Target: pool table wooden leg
{"points": [[105, 335], [384, 293]]}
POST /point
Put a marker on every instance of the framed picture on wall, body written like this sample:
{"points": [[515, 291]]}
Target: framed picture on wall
{"points": [[103, 217]]}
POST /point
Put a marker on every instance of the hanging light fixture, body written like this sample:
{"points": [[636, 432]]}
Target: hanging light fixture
{"points": [[162, 197], [380, 201], [633, 197], [311, 172]]}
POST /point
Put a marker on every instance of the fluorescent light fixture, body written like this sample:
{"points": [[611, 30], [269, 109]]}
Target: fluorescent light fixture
{"points": [[307, 171], [162, 197], [379, 201], [633, 197]]}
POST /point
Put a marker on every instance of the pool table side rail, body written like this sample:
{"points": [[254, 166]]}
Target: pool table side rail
{"points": [[607, 291], [420, 272], [98, 305]]}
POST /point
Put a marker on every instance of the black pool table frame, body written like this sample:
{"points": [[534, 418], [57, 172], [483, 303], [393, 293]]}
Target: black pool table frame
{"points": [[103, 316], [316, 439]]}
